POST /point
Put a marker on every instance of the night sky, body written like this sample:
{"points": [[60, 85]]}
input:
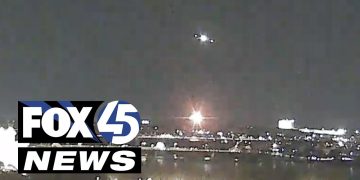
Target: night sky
{"points": [[272, 59]]}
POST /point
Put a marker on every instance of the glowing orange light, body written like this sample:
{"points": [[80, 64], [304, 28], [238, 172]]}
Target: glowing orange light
{"points": [[196, 117]]}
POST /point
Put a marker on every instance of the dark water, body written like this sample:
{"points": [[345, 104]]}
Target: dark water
{"points": [[161, 165]]}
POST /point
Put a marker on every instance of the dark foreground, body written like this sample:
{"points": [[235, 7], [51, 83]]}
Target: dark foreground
{"points": [[161, 165]]}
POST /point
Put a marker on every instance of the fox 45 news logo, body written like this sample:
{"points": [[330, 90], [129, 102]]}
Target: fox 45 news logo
{"points": [[89, 122]]}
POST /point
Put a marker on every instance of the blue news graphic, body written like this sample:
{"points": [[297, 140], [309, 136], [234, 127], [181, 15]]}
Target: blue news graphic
{"points": [[97, 122], [118, 119], [64, 104], [115, 122]]}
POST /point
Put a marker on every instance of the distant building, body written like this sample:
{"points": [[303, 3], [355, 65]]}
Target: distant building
{"points": [[286, 124], [338, 132]]}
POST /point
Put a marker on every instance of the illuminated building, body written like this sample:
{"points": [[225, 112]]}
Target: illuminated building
{"points": [[286, 124]]}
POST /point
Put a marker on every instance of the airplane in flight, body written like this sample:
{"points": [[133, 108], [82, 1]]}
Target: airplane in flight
{"points": [[203, 38]]}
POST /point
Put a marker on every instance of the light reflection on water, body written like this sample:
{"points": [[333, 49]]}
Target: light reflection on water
{"points": [[221, 166]]}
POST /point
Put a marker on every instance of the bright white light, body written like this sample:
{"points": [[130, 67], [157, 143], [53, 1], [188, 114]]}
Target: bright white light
{"points": [[203, 38], [196, 117], [145, 122], [9, 148], [338, 132], [341, 144], [286, 124], [341, 131], [160, 146]]}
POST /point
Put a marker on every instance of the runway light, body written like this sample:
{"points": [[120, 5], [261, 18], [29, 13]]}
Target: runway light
{"points": [[196, 117]]}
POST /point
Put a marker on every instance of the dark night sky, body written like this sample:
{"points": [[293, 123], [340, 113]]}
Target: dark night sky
{"points": [[272, 59]]}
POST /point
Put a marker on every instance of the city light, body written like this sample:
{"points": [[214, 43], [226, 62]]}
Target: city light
{"points": [[338, 132]]}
